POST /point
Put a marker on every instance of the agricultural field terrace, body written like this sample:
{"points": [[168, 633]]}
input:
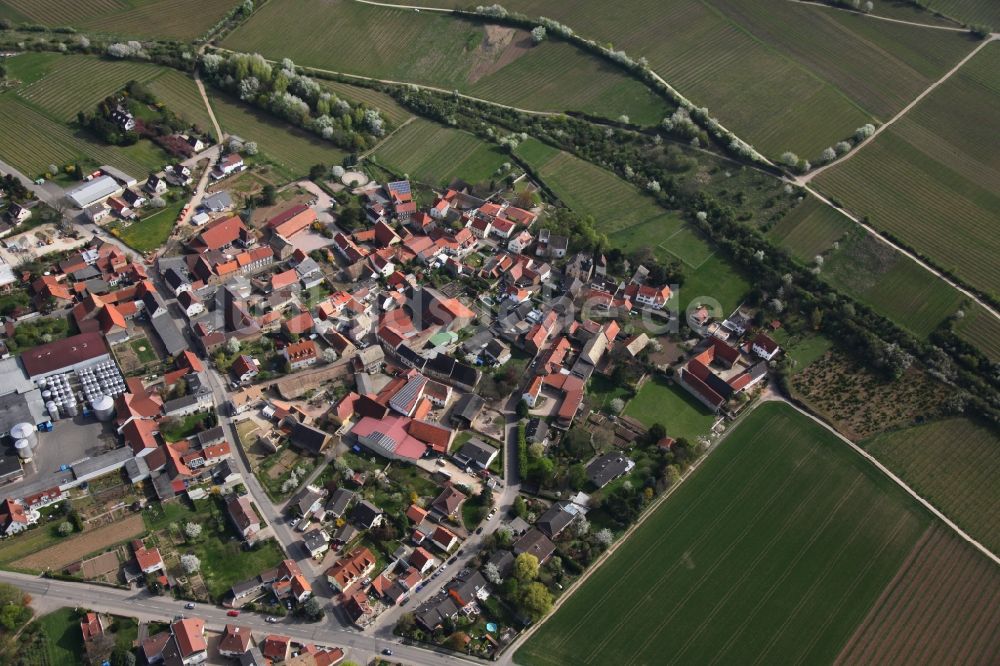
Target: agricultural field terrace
{"points": [[492, 62]]}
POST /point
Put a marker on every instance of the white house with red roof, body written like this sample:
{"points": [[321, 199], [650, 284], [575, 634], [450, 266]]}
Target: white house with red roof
{"points": [[231, 163], [480, 227], [15, 518], [148, 559], [765, 347], [520, 242]]}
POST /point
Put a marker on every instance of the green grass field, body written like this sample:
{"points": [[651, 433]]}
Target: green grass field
{"points": [[63, 640], [772, 552], [954, 464], [179, 93], [434, 154], [291, 149], [933, 178], [802, 350], [499, 64], [77, 83], [811, 228], [891, 283], [151, 232], [717, 279], [167, 19], [390, 108], [678, 412], [981, 330]]}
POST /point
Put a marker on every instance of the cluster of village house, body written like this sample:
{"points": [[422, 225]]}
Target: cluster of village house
{"points": [[396, 337], [184, 643]]}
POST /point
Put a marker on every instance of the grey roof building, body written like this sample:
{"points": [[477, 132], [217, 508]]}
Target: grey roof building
{"points": [[604, 469], [477, 452], [218, 202], [171, 336], [337, 505]]}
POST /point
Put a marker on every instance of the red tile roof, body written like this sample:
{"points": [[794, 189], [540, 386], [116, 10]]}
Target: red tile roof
{"points": [[222, 232], [299, 324], [292, 220], [433, 434]]}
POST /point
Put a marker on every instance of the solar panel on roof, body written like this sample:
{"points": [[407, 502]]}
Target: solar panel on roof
{"points": [[400, 186]]}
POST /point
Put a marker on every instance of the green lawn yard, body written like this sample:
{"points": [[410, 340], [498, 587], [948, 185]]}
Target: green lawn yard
{"points": [[671, 406], [151, 232]]}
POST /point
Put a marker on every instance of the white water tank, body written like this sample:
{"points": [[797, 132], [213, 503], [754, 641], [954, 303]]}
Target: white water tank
{"points": [[53, 410], [104, 407], [24, 431], [23, 448]]}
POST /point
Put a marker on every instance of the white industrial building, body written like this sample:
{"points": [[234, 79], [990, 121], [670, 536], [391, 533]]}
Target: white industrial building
{"points": [[94, 191]]}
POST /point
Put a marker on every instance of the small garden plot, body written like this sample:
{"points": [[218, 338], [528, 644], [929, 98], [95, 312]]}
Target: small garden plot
{"points": [[223, 558], [602, 392], [61, 640], [281, 473], [143, 350], [74, 548], [671, 406], [152, 231], [176, 429]]}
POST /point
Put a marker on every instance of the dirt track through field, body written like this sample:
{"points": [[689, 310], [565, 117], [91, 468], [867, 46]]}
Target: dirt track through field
{"points": [[66, 552]]}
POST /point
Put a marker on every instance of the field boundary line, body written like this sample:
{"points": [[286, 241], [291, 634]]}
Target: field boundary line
{"points": [[805, 179], [682, 260], [898, 481], [967, 292], [859, 632], [601, 560], [878, 17], [849, 593]]}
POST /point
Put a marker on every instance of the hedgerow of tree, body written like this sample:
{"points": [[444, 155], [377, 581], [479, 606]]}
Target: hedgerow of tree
{"points": [[299, 99]]}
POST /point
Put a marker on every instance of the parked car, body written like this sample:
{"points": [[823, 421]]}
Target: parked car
{"points": [[479, 530], [272, 620], [387, 652], [189, 605], [233, 613]]}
